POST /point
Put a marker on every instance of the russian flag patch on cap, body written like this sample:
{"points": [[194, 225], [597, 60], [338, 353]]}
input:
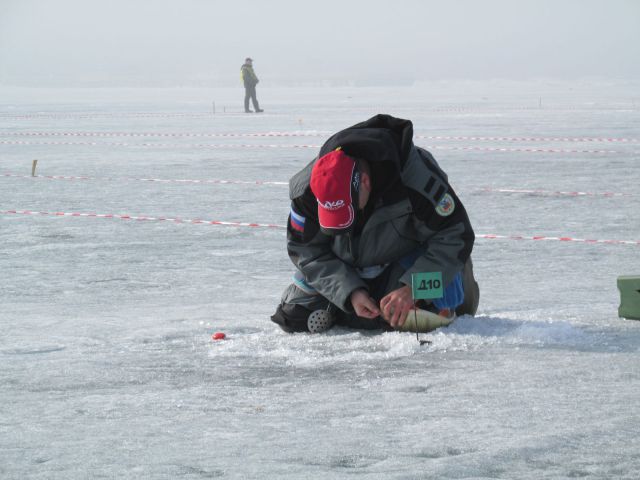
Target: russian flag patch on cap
{"points": [[296, 221]]}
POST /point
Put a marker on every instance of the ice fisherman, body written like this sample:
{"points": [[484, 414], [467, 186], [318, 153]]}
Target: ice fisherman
{"points": [[369, 211], [250, 80]]}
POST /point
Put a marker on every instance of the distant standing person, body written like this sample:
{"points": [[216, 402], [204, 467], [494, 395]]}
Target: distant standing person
{"points": [[250, 80]]}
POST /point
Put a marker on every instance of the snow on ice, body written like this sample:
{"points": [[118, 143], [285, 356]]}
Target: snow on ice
{"points": [[108, 366]]}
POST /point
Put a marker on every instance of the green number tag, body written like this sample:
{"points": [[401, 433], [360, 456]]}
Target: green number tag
{"points": [[426, 285]]}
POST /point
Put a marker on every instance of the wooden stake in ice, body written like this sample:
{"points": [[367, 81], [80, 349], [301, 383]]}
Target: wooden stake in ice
{"points": [[33, 168]]}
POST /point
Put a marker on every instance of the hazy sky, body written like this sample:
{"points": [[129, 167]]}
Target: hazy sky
{"points": [[299, 39]]}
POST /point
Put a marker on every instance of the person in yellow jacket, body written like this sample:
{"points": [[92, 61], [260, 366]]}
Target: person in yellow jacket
{"points": [[250, 80]]}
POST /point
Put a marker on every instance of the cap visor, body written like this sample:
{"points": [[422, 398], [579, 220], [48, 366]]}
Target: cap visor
{"points": [[336, 222]]}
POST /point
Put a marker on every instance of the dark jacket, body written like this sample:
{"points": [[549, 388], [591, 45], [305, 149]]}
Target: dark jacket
{"points": [[248, 76], [412, 207]]}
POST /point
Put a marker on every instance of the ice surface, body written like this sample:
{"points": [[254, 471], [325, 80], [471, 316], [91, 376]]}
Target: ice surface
{"points": [[108, 367]]}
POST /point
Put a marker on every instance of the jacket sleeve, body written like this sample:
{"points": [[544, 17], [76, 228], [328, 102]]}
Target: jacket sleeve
{"points": [[447, 234], [310, 251]]}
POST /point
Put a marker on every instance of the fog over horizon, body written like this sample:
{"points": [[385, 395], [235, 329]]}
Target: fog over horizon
{"points": [[204, 43]]}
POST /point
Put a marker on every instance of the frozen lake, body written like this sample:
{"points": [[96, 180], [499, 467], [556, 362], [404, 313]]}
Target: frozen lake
{"points": [[108, 366]]}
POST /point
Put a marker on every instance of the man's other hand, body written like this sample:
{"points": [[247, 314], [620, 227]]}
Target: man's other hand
{"points": [[363, 304], [396, 305]]}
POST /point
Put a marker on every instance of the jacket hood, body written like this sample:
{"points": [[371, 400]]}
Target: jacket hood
{"points": [[382, 138], [384, 141]]}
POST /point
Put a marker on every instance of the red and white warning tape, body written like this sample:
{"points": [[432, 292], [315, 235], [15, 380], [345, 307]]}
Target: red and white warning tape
{"points": [[528, 139], [522, 149], [558, 239], [558, 193], [265, 182], [368, 108], [158, 145], [257, 146], [141, 218], [165, 134], [309, 134], [104, 115], [271, 225], [158, 180]]}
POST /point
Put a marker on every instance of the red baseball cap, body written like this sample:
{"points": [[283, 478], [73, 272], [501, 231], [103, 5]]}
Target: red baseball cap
{"points": [[335, 182]]}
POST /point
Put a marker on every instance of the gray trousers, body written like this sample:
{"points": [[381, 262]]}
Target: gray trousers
{"points": [[250, 94]]}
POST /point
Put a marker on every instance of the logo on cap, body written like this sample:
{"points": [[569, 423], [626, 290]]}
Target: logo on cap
{"points": [[332, 205]]}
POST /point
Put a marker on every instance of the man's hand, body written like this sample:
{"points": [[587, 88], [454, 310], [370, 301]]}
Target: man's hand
{"points": [[363, 304], [396, 305]]}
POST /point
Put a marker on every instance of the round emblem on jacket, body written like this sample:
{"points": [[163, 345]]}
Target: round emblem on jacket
{"points": [[445, 206]]}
